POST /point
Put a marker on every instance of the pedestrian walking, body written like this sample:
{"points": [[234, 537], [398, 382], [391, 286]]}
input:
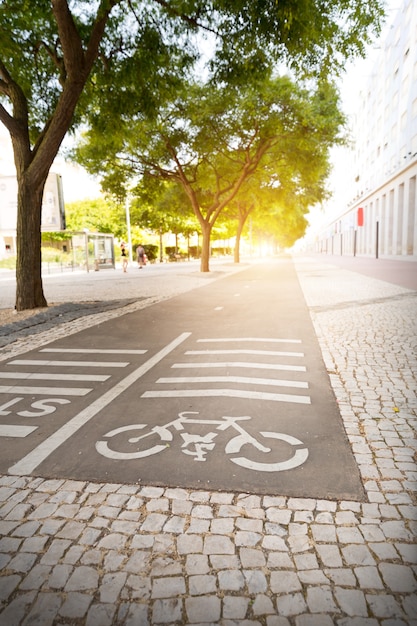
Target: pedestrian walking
{"points": [[123, 253], [140, 254]]}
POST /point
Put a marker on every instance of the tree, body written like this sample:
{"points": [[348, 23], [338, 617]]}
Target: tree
{"points": [[54, 55], [217, 143]]}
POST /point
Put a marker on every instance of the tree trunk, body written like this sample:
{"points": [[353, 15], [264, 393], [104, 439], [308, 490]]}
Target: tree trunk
{"points": [[29, 290], [240, 225], [205, 247]]}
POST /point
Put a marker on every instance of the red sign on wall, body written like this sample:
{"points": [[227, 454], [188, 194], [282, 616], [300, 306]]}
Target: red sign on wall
{"points": [[360, 216]]}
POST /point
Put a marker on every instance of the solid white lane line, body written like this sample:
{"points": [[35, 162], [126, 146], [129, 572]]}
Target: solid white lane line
{"points": [[242, 339], [92, 351], [244, 364], [264, 352], [11, 430], [231, 393], [46, 391], [68, 363], [74, 377], [246, 380], [31, 461]]}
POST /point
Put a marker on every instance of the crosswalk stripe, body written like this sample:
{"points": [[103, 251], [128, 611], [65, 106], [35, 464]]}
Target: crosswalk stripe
{"points": [[231, 393], [45, 391], [92, 351], [68, 363], [242, 364], [73, 377], [243, 351], [11, 430], [243, 339], [245, 380]]}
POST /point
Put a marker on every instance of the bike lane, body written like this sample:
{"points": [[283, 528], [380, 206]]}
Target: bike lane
{"points": [[220, 388]]}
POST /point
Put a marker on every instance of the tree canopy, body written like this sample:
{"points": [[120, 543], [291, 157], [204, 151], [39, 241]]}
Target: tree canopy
{"points": [[60, 61], [213, 141]]}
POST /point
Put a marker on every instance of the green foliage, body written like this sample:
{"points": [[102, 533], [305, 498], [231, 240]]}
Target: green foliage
{"points": [[97, 216]]}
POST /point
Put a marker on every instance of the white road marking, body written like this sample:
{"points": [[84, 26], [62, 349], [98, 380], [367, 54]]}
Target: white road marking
{"points": [[243, 339], [31, 461], [92, 351], [68, 363], [11, 430], [245, 380], [230, 393], [74, 377], [46, 391], [244, 364], [218, 308], [258, 352]]}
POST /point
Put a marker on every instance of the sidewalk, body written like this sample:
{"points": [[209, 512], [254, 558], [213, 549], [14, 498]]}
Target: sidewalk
{"points": [[108, 554]]}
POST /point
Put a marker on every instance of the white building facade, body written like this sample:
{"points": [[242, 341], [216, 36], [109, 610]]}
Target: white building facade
{"points": [[380, 216]]}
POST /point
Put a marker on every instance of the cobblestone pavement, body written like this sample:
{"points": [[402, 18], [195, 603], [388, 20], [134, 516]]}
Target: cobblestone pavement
{"points": [[105, 554]]}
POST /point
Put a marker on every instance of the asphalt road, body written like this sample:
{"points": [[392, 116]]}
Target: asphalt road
{"points": [[222, 387]]}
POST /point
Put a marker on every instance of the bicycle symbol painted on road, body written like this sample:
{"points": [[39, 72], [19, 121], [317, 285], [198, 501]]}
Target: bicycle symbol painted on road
{"points": [[198, 446]]}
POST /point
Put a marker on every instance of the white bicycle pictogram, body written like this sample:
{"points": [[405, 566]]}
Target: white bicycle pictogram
{"points": [[199, 446]]}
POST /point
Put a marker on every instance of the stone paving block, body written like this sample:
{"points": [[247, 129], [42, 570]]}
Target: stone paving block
{"points": [[384, 606], [352, 602], [75, 605], [219, 561], [368, 577], [100, 615], [22, 562], [235, 607], [59, 576], [36, 578], [290, 604], [357, 555], [202, 609], [218, 545], [284, 582], [154, 522], [231, 580], [165, 566], [45, 609], [202, 584], [197, 564], [251, 557], [320, 600], [8, 585], [83, 578], [256, 581], [166, 611], [398, 577], [16, 610], [111, 586], [168, 587], [137, 615], [263, 606], [55, 552]]}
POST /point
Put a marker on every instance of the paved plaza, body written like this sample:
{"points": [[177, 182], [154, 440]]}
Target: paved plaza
{"points": [[98, 554]]}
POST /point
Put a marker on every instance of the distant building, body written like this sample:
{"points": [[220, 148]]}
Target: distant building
{"points": [[380, 217], [53, 210]]}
